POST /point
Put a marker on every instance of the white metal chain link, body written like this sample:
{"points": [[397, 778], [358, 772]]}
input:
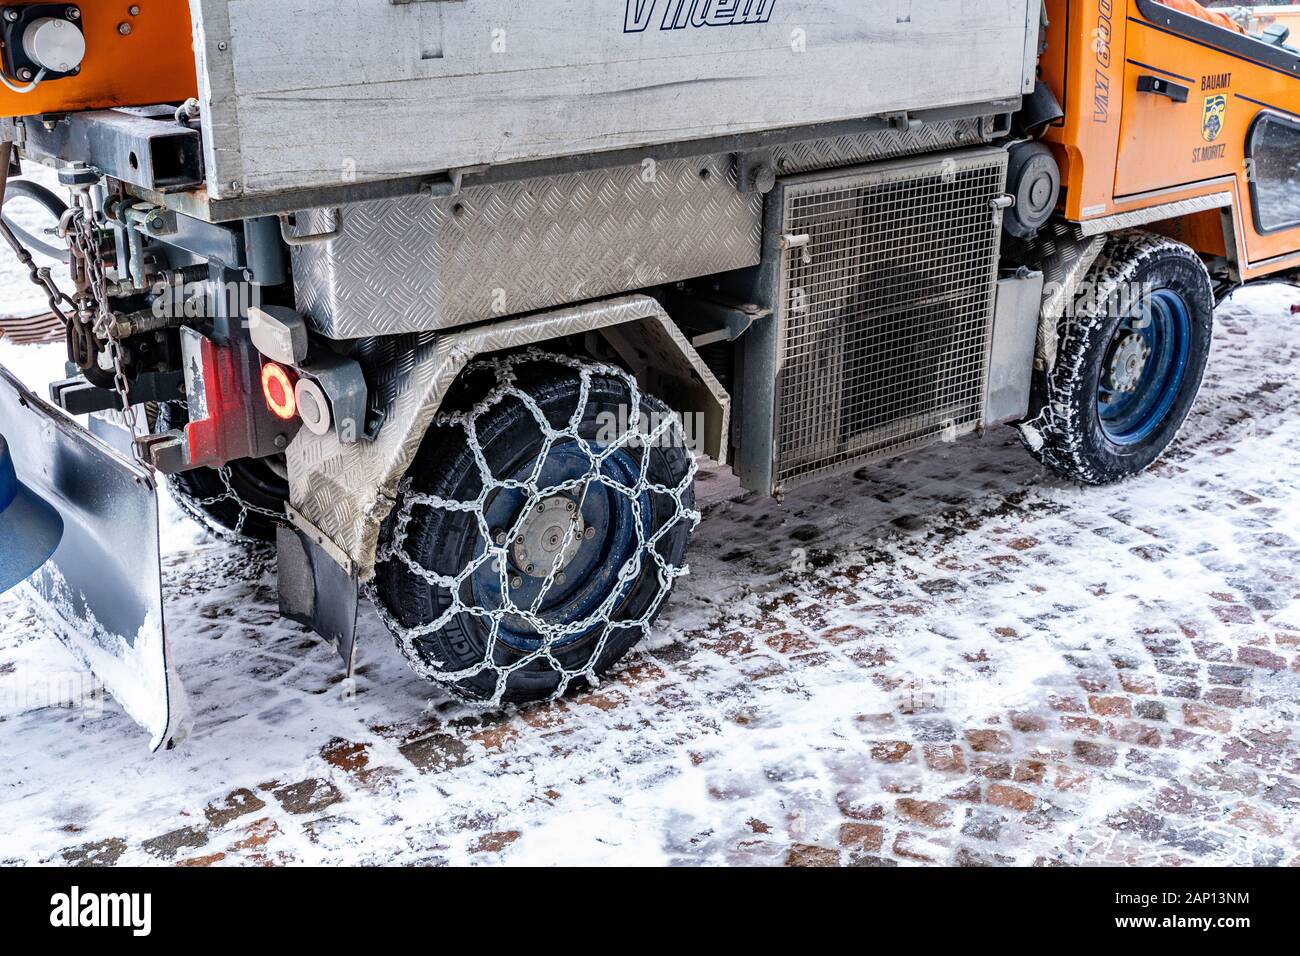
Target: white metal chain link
{"points": [[195, 507], [637, 435], [245, 507]]}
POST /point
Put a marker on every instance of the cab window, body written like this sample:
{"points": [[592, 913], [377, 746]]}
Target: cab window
{"points": [[1274, 150]]}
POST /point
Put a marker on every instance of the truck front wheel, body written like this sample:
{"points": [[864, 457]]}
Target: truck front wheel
{"points": [[539, 530], [1132, 353]]}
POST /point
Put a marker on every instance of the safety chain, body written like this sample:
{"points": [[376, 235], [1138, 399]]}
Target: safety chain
{"points": [[40, 276], [93, 310], [89, 316], [637, 435]]}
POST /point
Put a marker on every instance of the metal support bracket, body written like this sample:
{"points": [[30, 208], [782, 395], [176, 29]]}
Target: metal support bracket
{"points": [[903, 121], [451, 182], [76, 396], [709, 319], [143, 146]]}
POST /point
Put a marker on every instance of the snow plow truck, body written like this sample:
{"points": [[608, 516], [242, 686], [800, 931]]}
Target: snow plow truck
{"points": [[446, 298]]}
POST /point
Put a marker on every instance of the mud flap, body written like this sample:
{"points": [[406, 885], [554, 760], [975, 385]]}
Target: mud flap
{"points": [[316, 590], [102, 590]]}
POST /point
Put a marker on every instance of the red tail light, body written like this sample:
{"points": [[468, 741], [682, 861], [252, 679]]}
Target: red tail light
{"points": [[277, 389]]}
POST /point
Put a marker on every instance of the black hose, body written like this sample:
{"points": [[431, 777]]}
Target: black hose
{"points": [[52, 204]]}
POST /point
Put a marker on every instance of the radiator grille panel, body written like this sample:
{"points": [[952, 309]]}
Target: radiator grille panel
{"points": [[887, 310]]}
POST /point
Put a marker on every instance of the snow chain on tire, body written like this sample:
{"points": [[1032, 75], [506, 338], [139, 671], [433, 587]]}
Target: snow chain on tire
{"points": [[637, 434], [1058, 431], [196, 508], [200, 508]]}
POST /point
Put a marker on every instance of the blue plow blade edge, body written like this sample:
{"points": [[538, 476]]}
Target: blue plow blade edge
{"points": [[30, 527]]}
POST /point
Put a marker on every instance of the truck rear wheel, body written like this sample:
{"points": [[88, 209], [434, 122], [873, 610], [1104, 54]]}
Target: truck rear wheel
{"points": [[1130, 362], [245, 499], [539, 531]]}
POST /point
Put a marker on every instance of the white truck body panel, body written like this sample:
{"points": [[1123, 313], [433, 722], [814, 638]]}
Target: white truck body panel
{"points": [[318, 93]]}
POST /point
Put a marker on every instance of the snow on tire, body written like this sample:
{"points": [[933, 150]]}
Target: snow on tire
{"points": [[1132, 354]]}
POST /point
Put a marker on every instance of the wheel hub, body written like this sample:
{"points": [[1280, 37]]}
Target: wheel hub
{"points": [[549, 537], [562, 565], [1128, 363], [1143, 373]]}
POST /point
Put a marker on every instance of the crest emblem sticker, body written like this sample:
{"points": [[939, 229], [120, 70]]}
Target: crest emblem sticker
{"points": [[1216, 110]]}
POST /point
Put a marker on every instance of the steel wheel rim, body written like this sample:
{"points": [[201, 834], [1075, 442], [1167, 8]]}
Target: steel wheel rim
{"points": [[1163, 326], [593, 573]]}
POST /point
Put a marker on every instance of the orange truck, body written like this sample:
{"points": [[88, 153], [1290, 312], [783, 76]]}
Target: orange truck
{"points": [[446, 300], [1171, 109]]}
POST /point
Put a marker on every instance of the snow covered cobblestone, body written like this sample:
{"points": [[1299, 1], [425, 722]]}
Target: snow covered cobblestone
{"points": [[949, 658]]}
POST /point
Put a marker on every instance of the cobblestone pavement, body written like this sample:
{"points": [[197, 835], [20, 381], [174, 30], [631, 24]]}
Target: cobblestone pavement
{"points": [[950, 658]]}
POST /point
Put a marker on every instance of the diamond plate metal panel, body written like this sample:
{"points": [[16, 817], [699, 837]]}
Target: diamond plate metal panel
{"points": [[1065, 255], [859, 148], [1161, 213], [420, 263]]}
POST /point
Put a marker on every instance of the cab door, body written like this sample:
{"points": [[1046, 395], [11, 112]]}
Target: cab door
{"points": [[1273, 161], [1183, 121], [1207, 106]]}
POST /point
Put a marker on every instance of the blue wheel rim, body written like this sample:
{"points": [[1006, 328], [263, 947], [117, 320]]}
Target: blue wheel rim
{"points": [[1133, 403], [593, 572]]}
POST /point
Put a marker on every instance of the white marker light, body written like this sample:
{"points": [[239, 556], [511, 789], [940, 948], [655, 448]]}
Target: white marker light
{"points": [[313, 406]]}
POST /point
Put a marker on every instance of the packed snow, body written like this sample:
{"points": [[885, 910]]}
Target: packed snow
{"points": [[950, 657]]}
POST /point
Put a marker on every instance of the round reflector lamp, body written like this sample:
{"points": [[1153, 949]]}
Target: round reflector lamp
{"points": [[313, 406]]}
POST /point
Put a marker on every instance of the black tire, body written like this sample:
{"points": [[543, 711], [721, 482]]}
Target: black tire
{"points": [[1065, 428], [245, 500], [419, 538]]}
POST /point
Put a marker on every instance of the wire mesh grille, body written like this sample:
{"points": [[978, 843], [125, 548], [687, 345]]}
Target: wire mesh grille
{"points": [[888, 308]]}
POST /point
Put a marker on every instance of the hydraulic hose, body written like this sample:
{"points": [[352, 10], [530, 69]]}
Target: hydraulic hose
{"points": [[55, 206]]}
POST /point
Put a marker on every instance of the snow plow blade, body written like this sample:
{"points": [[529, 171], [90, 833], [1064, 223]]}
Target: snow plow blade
{"points": [[102, 590]]}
